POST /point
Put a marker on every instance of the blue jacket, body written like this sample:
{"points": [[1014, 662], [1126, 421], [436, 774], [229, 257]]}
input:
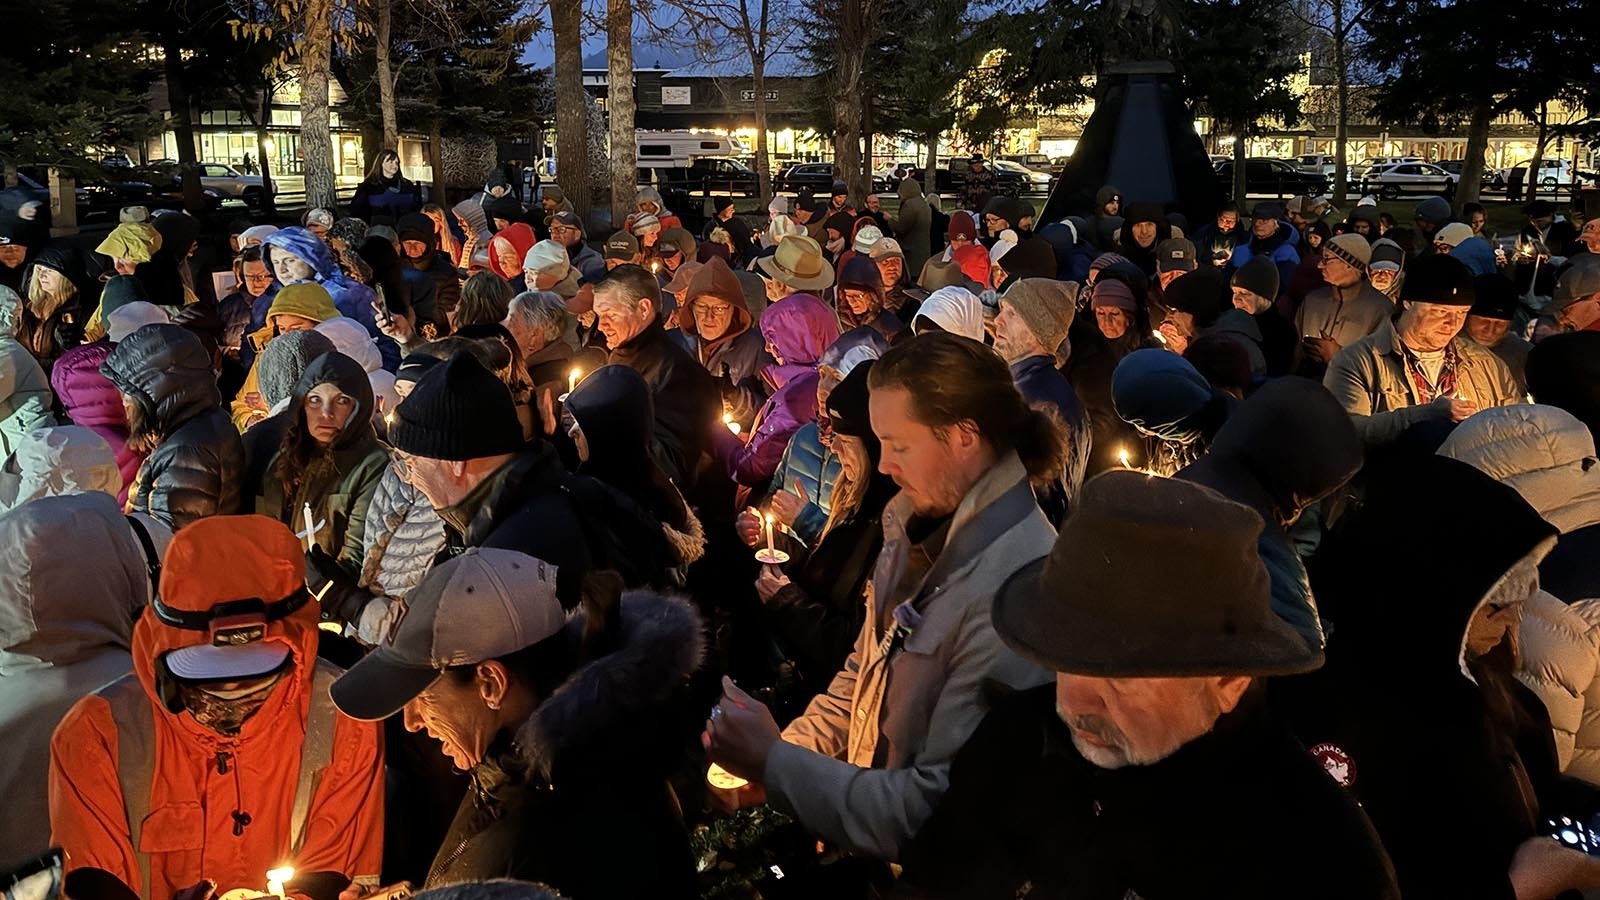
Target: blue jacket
{"points": [[588, 261], [1041, 382], [258, 321], [1280, 248], [817, 468]]}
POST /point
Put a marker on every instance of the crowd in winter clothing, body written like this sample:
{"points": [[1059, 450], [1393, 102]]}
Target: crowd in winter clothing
{"points": [[986, 557]]}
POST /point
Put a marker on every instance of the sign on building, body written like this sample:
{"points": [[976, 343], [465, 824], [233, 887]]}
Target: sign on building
{"points": [[675, 95], [750, 96]]}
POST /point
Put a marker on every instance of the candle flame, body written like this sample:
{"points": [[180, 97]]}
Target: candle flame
{"points": [[726, 418], [770, 520], [1122, 457], [574, 374]]}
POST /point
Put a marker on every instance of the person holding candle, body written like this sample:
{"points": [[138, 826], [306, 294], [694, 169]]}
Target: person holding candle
{"points": [[866, 763], [175, 414], [568, 726], [814, 604], [223, 723], [330, 463], [715, 325], [1153, 766], [546, 333]]}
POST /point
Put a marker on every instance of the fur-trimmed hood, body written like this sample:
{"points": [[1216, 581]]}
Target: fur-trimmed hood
{"points": [[613, 711]]}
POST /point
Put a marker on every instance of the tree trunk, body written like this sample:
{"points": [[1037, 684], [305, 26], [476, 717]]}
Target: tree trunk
{"points": [[316, 139], [931, 178], [846, 102], [1537, 161], [619, 103], [391, 127], [194, 199], [269, 203], [1477, 145], [436, 144], [572, 115], [1240, 188], [758, 79], [1341, 128]]}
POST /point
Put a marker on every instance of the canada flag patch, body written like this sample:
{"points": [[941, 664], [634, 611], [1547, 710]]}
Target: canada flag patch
{"points": [[1337, 763]]}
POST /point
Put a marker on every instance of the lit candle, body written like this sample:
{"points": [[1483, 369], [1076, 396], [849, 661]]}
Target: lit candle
{"points": [[1159, 336], [1122, 457], [277, 878], [388, 420], [572, 380], [311, 528], [770, 548], [727, 419]]}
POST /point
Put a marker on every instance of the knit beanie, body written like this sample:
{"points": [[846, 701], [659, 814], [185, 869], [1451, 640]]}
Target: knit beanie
{"points": [[1454, 233], [974, 263], [1386, 254], [119, 291], [1438, 279], [1495, 297], [1046, 306], [1201, 293], [645, 223], [847, 410], [1115, 293], [961, 225], [414, 366], [1258, 276], [130, 317], [137, 241], [1352, 248], [457, 411], [779, 205], [1161, 393], [721, 203], [285, 359], [1434, 210], [306, 299], [415, 227], [1104, 260], [547, 258], [1032, 258]]}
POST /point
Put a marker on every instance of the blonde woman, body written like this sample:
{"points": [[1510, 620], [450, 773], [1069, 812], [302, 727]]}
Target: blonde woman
{"points": [[50, 322]]}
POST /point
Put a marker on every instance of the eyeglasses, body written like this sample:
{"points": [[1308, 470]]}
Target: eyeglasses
{"points": [[710, 310], [266, 276]]}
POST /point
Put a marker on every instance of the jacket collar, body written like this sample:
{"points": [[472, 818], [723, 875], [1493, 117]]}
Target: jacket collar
{"points": [[1005, 475]]}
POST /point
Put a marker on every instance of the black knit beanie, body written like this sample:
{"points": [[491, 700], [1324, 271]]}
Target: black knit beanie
{"points": [[458, 410]]}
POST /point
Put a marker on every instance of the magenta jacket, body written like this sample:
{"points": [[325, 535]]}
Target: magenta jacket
{"points": [[91, 400], [798, 328]]}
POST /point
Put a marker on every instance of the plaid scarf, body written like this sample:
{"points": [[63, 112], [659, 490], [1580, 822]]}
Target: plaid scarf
{"points": [[1426, 392]]}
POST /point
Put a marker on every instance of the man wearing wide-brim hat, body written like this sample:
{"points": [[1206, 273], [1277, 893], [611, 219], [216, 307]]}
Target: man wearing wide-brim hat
{"points": [[797, 266], [1152, 767]]}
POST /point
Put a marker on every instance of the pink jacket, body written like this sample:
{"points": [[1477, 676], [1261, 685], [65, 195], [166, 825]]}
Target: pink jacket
{"points": [[91, 400]]}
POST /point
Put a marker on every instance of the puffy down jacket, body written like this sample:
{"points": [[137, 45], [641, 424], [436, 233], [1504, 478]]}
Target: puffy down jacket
{"points": [[91, 400]]}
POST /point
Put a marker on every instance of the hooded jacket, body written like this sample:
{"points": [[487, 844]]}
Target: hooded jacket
{"points": [[24, 391], [1549, 458], [1285, 448], [339, 482], [64, 459], [306, 306], [91, 400], [1398, 688], [189, 831], [521, 238], [195, 470], [1280, 248], [352, 298], [913, 225], [1143, 257], [65, 629], [687, 402], [860, 273], [592, 760], [799, 328], [737, 357]]}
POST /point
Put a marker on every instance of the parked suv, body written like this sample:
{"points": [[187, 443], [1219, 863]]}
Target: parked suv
{"points": [[1273, 177]]}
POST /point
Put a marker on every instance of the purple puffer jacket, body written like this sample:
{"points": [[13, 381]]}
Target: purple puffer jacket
{"points": [[798, 328], [91, 400]]}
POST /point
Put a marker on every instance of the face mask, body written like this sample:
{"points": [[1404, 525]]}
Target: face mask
{"points": [[225, 712]]}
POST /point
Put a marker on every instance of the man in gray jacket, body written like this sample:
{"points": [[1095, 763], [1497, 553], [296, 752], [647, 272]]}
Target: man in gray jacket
{"points": [[866, 763], [1420, 369]]}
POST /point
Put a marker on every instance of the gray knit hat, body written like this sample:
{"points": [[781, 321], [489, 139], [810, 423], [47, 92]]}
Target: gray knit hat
{"points": [[285, 359]]}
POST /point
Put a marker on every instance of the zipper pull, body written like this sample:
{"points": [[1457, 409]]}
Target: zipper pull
{"points": [[222, 762]]}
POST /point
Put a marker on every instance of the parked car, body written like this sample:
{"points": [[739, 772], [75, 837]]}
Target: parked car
{"points": [[1455, 167], [226, 182], [1358, 171], [94, 197], [816, 176], [1033, 180], [952, 178], [162, 175], [1552, 172], [1038, 162], [715, 174], [1318, 164], [886, 180], [1273, 177], [1390, 182]]}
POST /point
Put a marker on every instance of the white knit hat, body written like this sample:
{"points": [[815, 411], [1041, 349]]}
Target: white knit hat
{"points": [[779, 205], [866, 237], [547, 258]]}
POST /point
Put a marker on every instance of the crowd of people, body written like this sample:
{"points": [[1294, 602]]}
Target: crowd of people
{"points": [[1094, 558]]}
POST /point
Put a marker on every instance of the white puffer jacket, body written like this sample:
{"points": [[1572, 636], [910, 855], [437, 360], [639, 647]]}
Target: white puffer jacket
{"points": [[1549, 457]]}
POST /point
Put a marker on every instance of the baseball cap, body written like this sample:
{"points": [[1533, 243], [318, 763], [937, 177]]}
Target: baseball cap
{"points": [[484, 604], [1579, 281], [621, 245], [569, 219], [1175, 255]]}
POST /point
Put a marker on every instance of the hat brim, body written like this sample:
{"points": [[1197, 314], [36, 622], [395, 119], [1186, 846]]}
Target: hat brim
{"points": [[378, 686], [207, 662], [822, 280], [1062, 636]]}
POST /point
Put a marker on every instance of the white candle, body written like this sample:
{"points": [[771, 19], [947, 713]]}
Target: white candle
{"points": [[310, 526], [276, 878], [770, 548], [572, 380]]}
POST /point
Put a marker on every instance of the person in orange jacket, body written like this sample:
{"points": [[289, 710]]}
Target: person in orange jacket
{"points": [[221, 757]]}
